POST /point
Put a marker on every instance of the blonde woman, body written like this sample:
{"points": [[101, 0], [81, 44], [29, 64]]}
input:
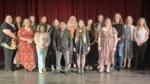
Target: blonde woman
{"points": [[141, 36], [42, 41], [107, 41], [71, 26], [82, 45], [129, 29]]}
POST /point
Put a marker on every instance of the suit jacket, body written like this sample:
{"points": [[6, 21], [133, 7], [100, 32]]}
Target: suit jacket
{"points": [[61, 42]]}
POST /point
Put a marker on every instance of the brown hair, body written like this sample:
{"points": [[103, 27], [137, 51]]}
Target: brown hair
{"points": [[23, 24], [110, 28], [83, 33], [120, 19], [42, 18], [42, 25]]}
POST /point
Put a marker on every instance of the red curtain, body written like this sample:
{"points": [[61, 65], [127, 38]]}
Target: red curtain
{"points": [[62, 9]]}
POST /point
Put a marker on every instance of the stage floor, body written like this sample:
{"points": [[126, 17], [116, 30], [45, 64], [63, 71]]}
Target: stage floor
{"points": [[90, 77]]}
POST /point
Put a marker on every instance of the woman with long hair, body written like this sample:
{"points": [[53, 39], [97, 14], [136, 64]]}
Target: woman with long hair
{"points": [[72, 26], [43, 20], [26, 49], [18, 22], [107, 41], [82, 45], [91, 57], [129, 29], [33, 22], [141, 36], [119, 26], [42, 41]]}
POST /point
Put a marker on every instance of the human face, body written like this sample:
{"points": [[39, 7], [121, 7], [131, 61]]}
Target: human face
{"points": [[56, 22], [107, 22], [129, 20], [141, 22], [100, 18], [90, 22], [117, 18], [62, 26], [18, 19], [42, 29], [44, 19], [32, 18], [8, 19], [72, 19], [26, 22], [81, 23]]}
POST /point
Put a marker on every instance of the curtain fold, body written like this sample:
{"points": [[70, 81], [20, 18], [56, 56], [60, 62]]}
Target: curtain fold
{"points": [[83, 9], [62, 9]]}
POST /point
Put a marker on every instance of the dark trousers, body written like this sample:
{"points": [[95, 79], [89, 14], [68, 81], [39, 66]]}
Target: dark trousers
{"points": [[9, 56], [139, 56], [53, 58], [92, 56], [50, 58]]}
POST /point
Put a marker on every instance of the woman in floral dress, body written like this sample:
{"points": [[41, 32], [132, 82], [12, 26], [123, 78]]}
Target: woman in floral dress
{"points": [[107, 41], [26, 46]]}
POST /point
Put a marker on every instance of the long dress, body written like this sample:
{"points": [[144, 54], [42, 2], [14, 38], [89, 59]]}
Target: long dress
{"points": [[26, 51], [92, 56], [107, 43], [128, 35]]}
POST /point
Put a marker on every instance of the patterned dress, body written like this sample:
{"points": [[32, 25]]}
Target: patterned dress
{"points": [[26, 51], [128, 35], [107, 44]]}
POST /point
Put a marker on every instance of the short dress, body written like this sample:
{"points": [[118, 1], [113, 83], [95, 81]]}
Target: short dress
{"points": [[82, 46]]}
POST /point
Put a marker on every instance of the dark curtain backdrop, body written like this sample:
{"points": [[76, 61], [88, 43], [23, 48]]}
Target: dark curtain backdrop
{"points": [[145, 12], [83, 9], [62, 9]]}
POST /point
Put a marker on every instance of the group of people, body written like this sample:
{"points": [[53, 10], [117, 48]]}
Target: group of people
{"points": [[116, 44]]}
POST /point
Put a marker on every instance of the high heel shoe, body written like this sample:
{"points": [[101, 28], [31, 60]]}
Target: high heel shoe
{"points": [[40, 71], [108, 70], [101, 69]]}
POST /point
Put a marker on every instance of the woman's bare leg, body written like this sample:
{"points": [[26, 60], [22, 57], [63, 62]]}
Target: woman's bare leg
{"points": [[129, 63], [125, 61]]}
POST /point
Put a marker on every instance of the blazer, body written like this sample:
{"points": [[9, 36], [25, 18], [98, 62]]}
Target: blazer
{"points": [[61, 40]]}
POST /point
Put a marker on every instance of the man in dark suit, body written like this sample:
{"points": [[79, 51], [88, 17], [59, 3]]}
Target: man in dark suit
{"points": [[61, 44]]}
